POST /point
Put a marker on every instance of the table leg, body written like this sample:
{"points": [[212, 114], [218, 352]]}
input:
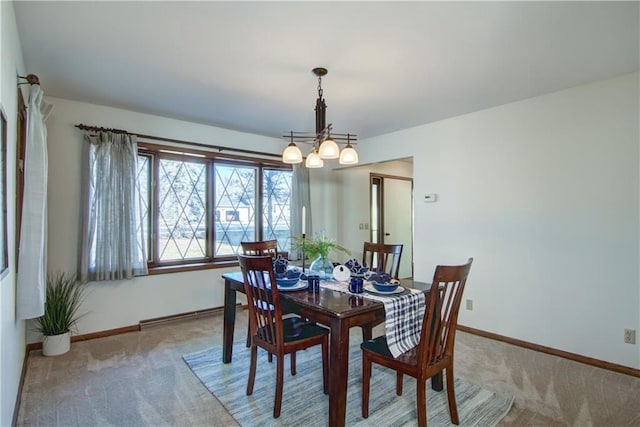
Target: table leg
{"points": [[338, 372], [367, 332], [229, 321], [436, 382]]}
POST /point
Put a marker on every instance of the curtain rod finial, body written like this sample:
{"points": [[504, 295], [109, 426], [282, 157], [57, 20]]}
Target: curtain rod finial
{"points": [[32, 79]]}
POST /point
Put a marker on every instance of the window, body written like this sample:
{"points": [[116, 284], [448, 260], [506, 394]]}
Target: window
{"points": [[199, 206], [276, 197]]}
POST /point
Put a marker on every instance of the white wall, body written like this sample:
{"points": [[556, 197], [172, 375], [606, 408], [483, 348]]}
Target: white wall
{"points": [[117, 304], [544, 194], [12, 332]]}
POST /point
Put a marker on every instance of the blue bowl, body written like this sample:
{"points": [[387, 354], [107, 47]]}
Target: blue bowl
{"points": [[385, 287], [293, 274], [287, 283]]}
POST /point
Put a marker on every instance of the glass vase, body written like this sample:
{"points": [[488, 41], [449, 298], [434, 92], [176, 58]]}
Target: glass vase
{"points": [[322, 267]]}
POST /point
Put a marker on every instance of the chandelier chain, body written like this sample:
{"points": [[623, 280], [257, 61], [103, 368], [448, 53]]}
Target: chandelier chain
{"points": [[320, 87]]}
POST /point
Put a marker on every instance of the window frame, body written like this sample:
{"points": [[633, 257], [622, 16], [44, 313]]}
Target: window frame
{"points": [[156, 152]]}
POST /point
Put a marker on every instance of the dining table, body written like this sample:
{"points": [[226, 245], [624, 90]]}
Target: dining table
{"points": [[340, 311]]}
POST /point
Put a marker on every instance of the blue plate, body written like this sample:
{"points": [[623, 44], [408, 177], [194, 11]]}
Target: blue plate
{"points": [[385, 287], [286, 283]]}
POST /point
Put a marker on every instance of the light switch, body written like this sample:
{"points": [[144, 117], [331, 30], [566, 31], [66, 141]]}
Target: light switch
{"points": [[431, 197]]}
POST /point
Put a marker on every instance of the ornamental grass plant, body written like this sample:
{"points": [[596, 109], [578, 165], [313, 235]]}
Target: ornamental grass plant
{"points": [[64, 294]]}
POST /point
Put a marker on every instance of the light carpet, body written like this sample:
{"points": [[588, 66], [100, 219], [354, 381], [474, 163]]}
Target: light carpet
{"points": [[304, 402]]}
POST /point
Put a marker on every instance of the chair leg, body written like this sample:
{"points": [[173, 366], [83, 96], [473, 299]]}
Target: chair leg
{"points": [[252, 370], [293, 363], [366, 379], [421, 401], [451, 396], [270, 357], [249, 337], [399, 383], [325, 364], [277, 405]]}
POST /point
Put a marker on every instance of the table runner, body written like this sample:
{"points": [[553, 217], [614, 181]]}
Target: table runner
{"points": [[403, 315]]}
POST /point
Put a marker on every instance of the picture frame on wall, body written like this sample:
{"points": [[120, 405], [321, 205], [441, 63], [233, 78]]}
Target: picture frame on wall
{"points": [[4, 253]]}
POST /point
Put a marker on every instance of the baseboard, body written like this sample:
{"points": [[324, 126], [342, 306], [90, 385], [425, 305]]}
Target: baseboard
{"points": [[92, 335], [181, 316], [554, 352], [135, 328], [23, 374]]}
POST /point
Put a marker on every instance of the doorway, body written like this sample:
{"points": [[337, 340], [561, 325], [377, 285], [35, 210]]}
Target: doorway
{"points": [[392, 215]]}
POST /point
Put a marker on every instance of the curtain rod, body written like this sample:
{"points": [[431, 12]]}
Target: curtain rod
{"points": [[177, 141]]}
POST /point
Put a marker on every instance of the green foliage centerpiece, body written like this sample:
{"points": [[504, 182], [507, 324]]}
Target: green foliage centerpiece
{"points": [[317, 248]]}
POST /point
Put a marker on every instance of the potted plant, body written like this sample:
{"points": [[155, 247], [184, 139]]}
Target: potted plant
{"points": [[64, 294], [317, 248]]}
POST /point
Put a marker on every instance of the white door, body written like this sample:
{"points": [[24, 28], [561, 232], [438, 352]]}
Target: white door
{"points": [[397, 216]]}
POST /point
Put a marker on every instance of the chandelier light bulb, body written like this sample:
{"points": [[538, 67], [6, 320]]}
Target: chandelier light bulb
{"points": [[348, 156], [314, 160], [292, 154], [329, 149]]}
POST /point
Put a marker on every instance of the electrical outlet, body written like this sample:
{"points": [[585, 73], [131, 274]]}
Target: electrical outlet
{"points": [[630, 336], [469, 304]]}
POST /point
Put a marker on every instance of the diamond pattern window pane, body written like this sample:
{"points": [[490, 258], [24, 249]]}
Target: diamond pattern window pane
{"points": [[177, 231], [276, 202], [182, 209], [235, 190]]}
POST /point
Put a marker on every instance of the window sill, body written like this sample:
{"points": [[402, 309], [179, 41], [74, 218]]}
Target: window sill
{"points": [[165, 269]]}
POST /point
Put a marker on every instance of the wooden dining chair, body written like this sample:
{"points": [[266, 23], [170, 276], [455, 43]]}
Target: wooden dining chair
{"points": [[270, 248], [272, 332], [383, 258], [435, 351], [264, 247]]}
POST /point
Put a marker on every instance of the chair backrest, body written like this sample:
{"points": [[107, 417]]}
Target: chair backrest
{"points": [[265, 314], [441, 314], [266, 247], [384, 258]]}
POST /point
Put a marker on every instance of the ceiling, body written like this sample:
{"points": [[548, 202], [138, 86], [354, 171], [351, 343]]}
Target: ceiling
{"points": [[392, 65]]}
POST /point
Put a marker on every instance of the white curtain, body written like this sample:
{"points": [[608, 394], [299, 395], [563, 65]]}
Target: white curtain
{"points": [[32, 255], [112, 238], [300, 196]]}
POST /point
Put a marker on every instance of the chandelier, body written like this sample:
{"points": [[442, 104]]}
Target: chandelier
{"points": [[324, 143]]}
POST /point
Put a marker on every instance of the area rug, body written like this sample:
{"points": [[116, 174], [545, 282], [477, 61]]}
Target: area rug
{"points": [[305, 404]]}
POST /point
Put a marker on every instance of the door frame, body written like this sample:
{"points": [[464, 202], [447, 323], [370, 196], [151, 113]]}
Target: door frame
{"points": [[379, 226]]}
